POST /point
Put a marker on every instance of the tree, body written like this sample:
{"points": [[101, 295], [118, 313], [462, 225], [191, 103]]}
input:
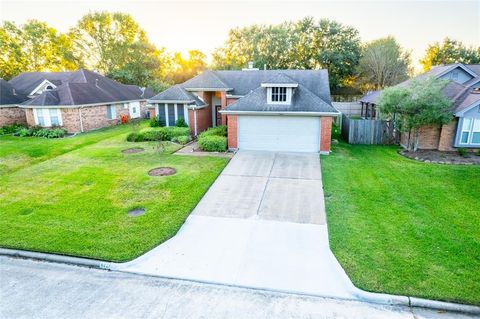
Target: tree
{"points": [[181, 69], [383, 63], [418, 104], [35, 46], [305, 44], [114, 44], [449, 51]]}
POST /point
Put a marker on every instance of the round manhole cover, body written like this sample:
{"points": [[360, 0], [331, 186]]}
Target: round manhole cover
{"points": [[133, 150], [136, 212], [162, 171]]}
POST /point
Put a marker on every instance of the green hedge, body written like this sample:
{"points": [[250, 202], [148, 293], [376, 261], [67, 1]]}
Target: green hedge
{"points": [[212, 143], [160, 134], [182, 139], [214, 131]]}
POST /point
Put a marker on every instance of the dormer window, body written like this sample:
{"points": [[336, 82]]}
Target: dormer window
{"points": [[279, 94]]}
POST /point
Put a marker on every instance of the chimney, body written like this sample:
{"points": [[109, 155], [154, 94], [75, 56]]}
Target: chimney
{"points": [[250, 67], [265, 67]]}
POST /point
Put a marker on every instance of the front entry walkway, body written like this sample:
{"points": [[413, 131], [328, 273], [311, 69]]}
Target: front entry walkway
{"points": [[262, 224]]}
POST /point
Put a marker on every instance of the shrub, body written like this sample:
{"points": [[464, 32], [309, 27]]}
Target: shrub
{"points": [[11, 129], [160, 134], [135, 137], [215, 131], [156, 122], [462, 152], [212, 143], [181, 123], [45, 132], [124, 119], [478, 152], [182, 139], [24, 132]]}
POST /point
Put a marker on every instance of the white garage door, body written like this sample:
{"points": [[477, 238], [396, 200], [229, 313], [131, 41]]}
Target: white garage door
{"points": [[279, 133]]}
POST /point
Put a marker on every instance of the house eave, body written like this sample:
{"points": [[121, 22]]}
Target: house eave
{"points": [[170, 101], [200, 89], [288, 113], [74, 106], [285, 85], [456, 65]]}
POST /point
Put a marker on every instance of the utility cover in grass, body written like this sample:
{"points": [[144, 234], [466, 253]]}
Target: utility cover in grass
{"points": [[162, 171], [136, 212], [133, 150]]}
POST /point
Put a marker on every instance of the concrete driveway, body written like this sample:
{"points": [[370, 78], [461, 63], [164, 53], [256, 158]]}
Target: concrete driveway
{"points": [[262, 224]]}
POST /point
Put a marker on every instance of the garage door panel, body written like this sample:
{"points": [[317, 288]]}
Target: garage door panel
{"points": [[279, 133]]}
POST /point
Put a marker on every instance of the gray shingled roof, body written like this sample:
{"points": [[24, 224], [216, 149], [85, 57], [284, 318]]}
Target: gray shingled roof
{"points": [[177, 93], [469, 99], [87, 87], [302, 101], [243, 82], [26, 82], [371, 97], [8, 95]]}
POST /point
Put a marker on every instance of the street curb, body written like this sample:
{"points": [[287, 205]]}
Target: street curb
{"points": [[365, 296], [397, 300]]}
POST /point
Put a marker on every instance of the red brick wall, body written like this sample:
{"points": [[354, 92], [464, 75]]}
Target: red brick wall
{"points": [[10, 115], [232, 130], [204, 119], [325, 134], [447, 136]]}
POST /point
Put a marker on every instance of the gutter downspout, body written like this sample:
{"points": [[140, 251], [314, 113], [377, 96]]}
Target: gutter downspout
{"points": [[195, 121], [80, 118]]}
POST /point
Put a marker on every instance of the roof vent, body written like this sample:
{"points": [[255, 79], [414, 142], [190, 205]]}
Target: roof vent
{"points": [[96, 83], [250, 67]]}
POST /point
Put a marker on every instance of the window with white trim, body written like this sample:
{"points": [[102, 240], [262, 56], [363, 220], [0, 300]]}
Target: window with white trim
{"points": [[47, 117], [279, 94], [470, 133], [111, 112]]}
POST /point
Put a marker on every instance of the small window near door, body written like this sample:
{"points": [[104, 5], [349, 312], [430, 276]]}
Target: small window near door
{"points": [[111, 112]]}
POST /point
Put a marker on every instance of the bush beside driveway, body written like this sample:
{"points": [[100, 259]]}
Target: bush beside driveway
{"points": [[404, 227], [74, 197]]}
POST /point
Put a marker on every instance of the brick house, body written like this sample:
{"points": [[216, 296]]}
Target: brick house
{"points": [[78, 101], [463, 88], [10, 113], [275, 110]]}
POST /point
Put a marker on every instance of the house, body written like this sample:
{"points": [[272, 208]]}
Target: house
{"points": [[463, 88], [78, 101], [274, 110], [10, 113]]}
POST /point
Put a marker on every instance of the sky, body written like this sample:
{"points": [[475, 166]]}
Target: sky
{"points": [[204, 25]]}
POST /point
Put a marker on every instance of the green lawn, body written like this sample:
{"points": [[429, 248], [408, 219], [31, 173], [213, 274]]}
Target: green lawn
{"points": [[71, 196], [404, 227]]}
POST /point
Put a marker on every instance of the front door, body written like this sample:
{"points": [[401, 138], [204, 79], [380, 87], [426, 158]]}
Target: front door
{"points": [[134, 108], [219, 115]]}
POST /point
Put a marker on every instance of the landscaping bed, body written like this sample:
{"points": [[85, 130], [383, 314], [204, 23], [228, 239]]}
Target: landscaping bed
{"points": [[75, 199], [404, 227], [432, 156]]}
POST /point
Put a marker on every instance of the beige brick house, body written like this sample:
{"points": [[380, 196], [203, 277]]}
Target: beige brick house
{"points": [[463, 88], [273, 110], [78, 101], [10, 113]]}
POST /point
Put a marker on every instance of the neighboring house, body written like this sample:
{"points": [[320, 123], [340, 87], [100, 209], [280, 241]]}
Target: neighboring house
{"points": [[463, 88], [10, 113], [78, 101], [275, 110]]}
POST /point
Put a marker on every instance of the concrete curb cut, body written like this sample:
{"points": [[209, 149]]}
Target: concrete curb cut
{"points": [[365, 296], [397, 300], [76, 261]]}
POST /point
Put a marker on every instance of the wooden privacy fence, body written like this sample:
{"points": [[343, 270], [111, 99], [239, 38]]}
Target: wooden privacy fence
{"points": [[361, 131]]}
